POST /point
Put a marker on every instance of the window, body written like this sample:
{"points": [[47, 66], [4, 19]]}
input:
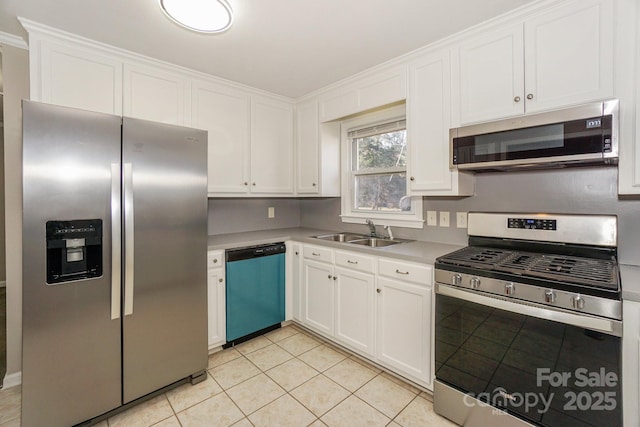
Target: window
{"points": [[375, 170]]}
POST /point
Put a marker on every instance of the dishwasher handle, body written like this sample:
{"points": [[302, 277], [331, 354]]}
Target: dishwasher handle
{"points": [[258, 251]]}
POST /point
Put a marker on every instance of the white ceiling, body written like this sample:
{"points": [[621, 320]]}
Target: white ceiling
{"points": [[289, 47]]}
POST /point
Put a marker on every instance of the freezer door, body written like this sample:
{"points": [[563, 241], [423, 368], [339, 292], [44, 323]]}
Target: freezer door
{"points": [[165, 223], [71, 363]]}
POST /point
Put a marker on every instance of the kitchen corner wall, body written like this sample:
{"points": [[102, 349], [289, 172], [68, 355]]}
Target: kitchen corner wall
{"points": [[15, 73], [591, 190], [239, 215]]}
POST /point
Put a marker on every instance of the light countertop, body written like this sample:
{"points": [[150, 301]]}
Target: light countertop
{"points": [[630, 280], [415, 251]]}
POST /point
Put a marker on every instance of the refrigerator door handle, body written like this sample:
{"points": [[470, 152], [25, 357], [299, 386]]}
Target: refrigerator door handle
{"points": [[128, 239], [116, 242]]}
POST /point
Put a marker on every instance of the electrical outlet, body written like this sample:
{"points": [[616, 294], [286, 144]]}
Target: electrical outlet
{"points": [[271, 212], [444, 219], [461, 219], [432, 218]]}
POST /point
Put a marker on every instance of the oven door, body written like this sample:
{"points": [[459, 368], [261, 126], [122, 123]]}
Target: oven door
{"points": [[542, 366]]}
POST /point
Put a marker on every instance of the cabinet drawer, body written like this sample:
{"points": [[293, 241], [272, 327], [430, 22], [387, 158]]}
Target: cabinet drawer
{"points": [[355, 261], [215, 259], [405, 271], [318, 253]]}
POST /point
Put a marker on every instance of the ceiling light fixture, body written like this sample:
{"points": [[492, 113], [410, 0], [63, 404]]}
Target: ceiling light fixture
{"points": [[203, 16]]}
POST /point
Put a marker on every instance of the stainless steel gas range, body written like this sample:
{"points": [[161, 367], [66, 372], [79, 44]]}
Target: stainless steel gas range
{"points": [[529, 322]]}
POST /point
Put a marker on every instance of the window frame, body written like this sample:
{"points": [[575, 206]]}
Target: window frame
{"points": [[411, 219]]}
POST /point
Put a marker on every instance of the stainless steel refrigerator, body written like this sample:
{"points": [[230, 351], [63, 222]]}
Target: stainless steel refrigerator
{"points": [[114, 261]]}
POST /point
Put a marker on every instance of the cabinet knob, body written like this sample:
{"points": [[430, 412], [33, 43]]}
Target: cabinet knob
{"points": [[412, 178], [246, 183], [314, 184], [530, 96], [253, 183], [330, 276], [379, 290], [335, 277], [220, 280], [215, 260], [296, 252], [516, 99]]}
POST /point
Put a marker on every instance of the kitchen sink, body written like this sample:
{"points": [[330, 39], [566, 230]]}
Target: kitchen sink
{"points": [[376, 242], [341, 237], [361, 239]]}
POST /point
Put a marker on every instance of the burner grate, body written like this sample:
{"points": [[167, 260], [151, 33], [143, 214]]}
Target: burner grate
{"points": [[600, 273]]}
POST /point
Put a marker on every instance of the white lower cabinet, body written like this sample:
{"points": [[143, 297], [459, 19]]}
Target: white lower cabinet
{"points": [[355, 304], [631, 363], [216, 299], [317, 308], [378, 307], [404, 328]]}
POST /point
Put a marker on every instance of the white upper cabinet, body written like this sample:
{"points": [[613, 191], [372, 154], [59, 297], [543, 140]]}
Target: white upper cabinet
{"points": [[271, 146], [151, 93], [382, 88], [75, 76], [225, 113], [307, 148], [428, 123], [569, 55], [557, 58], [488, 76], [317, 153]]}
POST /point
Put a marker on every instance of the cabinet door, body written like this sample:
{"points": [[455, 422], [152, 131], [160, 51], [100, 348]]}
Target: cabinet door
{"points": [[428, 123], [317, 309], [569, 55], [75, 77], [216, 307], [488, 76], [404, 327], [296, 280], [355, 320], [307, 150], [224, 113], [271, 146], [153, 94]]}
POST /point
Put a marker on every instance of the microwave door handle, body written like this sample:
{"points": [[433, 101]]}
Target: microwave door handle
{"points": [[128, 239], [116, 242]]}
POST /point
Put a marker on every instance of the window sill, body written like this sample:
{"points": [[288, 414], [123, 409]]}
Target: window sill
{"points": [[395, 222]]}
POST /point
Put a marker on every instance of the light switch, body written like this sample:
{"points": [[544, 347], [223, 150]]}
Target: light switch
{"points": [[444, 219], [432, 218], [461, 219], [271, 212]]}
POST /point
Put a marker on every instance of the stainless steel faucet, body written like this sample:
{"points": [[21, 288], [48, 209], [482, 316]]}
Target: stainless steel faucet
{"points": [[372, 228], [388, 228]]}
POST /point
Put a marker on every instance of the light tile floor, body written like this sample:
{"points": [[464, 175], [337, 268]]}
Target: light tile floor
{"points": [[286, 378]]}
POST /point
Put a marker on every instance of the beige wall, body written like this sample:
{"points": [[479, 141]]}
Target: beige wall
{"points": [[15, 70]]}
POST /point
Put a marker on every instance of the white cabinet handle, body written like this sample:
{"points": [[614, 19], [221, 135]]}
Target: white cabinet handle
{"points": [[401, 272]]}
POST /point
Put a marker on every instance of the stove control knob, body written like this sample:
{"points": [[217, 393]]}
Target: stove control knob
{"points": [[475, 283], [509, 289], [577, 302], [456, 279], [549, 296]]}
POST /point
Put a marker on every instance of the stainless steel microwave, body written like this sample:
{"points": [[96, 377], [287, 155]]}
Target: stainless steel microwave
{"points": [[587, 134]]}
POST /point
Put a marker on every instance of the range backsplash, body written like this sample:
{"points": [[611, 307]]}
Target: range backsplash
{"points": [[572, 190]]}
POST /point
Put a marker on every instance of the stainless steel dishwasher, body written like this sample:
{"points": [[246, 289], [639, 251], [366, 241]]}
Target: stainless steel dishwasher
{"points": [[255, 291]]}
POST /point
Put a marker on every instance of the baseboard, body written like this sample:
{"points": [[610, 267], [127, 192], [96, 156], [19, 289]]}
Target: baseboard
{"points": [[12, 380], [3, 284]]}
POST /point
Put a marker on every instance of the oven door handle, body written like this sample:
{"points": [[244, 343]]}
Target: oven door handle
{"points": [[607, 326]]}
